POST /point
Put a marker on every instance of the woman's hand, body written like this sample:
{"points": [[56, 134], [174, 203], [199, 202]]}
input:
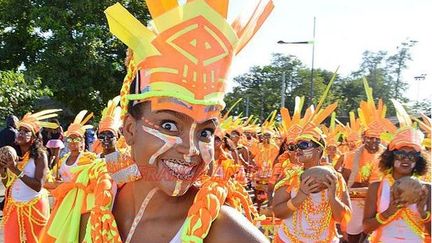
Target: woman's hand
{"points": [[308, 185], [331, 185], [394, 206], [421, 204]]}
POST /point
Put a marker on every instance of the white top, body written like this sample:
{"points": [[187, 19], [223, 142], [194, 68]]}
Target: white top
{"points": [[65, 170], [20, 191], [397, 230], [305, 227], [176, 238]]}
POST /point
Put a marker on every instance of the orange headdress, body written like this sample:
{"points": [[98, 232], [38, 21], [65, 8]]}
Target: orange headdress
{"points": [[406, 135], [373, 118], [426, 126], [34, 122], [110, 120], [314, 117], [333, 132], [353, 129], [78, 127], [181, 62], [268, 125], [291, 125]]}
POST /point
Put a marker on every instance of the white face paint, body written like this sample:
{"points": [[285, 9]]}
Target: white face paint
{"points": [[207, 151], [177, 188], [193, 150], [170, 141]]}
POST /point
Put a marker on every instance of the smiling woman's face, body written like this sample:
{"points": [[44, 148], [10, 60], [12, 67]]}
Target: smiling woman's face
{"points": [[170, 148]]}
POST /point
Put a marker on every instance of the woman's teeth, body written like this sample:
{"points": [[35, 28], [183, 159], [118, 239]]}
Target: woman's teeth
{"points": [[179, 169]]}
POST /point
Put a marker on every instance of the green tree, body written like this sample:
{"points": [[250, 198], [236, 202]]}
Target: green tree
{"points": [[261, 87], [18, 93], [68, 45]]}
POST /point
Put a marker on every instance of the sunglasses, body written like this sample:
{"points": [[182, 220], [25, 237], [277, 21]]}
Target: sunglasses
{"points": [[74, 140], [303, 145], [106, 137], [24, 133], [401, 155]]}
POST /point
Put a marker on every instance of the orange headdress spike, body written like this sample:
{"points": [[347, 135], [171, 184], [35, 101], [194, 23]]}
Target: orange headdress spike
{"points": [[373, 118], [181, 61], [406, 135], [332, 132], [78, 127], [34, 122], [110, 120], [291, 126], [314, 117], [269, 123], [426, 126]]}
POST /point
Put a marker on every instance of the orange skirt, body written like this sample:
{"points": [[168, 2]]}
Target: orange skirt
{"points": [[23, 222]]}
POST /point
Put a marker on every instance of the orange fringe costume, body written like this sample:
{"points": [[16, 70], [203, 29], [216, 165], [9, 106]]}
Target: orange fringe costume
{"points": [[178, 63], [23, 221], [405, 136], [311, 221]]}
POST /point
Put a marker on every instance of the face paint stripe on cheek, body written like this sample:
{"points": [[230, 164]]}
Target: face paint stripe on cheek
{"points": [[170, 141], [207, 151], [177, 188], [193, 150]]}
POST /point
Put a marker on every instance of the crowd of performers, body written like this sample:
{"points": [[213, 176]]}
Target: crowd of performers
{"points": [[168, 167]]}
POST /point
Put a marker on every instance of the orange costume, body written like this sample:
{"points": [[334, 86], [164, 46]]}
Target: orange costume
{"points": [[26, 211], [312, 220], [77, 127], [178, 63], [406, 225], [363, 166]]}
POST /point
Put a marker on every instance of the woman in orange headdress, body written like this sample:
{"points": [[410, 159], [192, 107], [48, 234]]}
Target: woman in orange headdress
{"points": [[27, 208], [311, 209], [74, 137], [172, 97], [387, 216]]}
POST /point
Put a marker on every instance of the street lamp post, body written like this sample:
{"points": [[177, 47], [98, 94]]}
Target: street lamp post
{"points": [[312, 42]]}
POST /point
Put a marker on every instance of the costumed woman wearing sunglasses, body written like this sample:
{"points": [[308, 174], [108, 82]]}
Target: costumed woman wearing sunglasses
{"points": [[398, 207], [74, 137], [311, 207], [171, 97]]}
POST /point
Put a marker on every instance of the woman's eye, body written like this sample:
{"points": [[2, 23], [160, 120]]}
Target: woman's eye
{"points": [[207, 134], [170, 126]]}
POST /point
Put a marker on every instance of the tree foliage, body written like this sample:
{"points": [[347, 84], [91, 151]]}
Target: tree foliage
{"points": [[261, 87], [68, 45], [18, 93]]}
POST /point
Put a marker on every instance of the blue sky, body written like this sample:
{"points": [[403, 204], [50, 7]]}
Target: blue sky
{"points": [[344, 29]]}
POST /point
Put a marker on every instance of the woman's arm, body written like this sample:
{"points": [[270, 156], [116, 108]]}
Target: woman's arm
{"points": [[281, 198], [41, 170], [339, 207], [370, 223]]}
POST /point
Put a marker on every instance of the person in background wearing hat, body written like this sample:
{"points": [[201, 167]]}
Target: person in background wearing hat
{"points": [[27, 208]]}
